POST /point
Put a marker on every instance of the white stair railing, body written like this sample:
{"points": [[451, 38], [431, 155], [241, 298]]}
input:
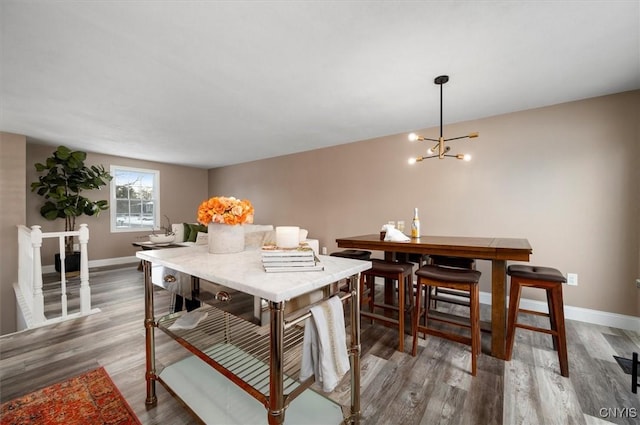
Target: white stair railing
{"points": [[29, 295]]}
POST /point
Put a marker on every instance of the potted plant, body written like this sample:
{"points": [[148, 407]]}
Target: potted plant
{"points": [[64, 180]]}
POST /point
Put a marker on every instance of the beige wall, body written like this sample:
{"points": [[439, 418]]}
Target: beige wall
{"points": [[565, 177], [12, 196], [181, 191]]}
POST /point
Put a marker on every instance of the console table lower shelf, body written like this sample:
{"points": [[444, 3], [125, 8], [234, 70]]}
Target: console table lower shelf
{"points": [[216, 400]]}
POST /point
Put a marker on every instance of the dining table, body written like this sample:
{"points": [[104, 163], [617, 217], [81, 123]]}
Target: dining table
{"points": [[497, 250]]}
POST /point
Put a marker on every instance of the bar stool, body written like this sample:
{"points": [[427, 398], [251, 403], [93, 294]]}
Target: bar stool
{"points": [[354, 254], [451, 296], [395, 272], [451, 278], [551, 281]]}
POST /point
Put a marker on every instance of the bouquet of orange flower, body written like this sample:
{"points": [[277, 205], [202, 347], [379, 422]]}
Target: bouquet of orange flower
{"points": [[225, 210]]}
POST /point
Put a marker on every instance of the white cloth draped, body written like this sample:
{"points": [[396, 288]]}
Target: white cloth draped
{"points": [[394, 235], [324, 348]]}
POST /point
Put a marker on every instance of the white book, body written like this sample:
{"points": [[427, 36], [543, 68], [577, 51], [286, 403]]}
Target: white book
{"points": [[316, 268], [269, 252], [292, 263]]}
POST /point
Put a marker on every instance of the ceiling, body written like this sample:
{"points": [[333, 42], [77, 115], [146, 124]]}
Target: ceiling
{"points": [[213, 83]]}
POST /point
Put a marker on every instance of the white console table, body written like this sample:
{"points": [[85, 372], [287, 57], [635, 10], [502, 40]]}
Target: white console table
{"points": [[259, 362]]}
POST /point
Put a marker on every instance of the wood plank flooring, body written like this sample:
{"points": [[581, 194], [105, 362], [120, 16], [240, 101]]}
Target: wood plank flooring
{"points": [[434, 387]]}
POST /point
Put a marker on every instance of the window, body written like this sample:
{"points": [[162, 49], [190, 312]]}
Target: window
{"points": [[135, 199]]}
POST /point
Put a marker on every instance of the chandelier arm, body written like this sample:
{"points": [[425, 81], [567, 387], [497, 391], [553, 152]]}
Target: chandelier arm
{"points": [[457, 138]]}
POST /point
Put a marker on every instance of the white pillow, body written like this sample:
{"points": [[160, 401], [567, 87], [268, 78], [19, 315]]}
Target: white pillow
{"points": [[249, 228], [178, 230], [256, 240], [202, 238]]}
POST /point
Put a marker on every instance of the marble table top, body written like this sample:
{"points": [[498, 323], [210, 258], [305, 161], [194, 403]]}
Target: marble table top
{"points": [[244, 272]]}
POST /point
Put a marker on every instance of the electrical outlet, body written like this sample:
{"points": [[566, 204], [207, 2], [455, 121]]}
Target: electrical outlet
{"points": [[76, 247], [572, 279], [324, 250]]}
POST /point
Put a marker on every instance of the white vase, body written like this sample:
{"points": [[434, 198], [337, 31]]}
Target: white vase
{"points": [[225, 238]]}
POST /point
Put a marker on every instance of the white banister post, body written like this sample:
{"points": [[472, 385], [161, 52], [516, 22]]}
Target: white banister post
{"points": [[85, 290], [63, 274], [38, 298]]}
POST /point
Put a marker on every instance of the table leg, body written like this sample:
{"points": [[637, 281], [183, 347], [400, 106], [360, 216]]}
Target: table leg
{"points": [[193, 303], [498, 308], [354, 352], [149, 328], [276, 376]]}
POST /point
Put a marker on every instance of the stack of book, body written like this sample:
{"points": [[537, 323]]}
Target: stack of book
{"points": [[290, 260]]}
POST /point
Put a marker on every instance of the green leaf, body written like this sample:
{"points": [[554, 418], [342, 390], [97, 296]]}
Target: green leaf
{"points": [[62, 152]]}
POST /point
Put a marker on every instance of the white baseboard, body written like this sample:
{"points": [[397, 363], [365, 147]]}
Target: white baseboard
{"points": [[99, 263], [580, 314]]}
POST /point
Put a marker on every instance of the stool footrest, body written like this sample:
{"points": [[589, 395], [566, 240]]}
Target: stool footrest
{"points": [[449, 300], [536, 329], [379, 317], [537, 313], [446, 335], [449, 318]]}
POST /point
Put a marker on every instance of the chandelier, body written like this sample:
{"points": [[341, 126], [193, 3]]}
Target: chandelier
{"points": [[440, 150]]}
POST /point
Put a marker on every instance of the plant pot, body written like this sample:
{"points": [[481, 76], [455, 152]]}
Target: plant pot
{"points": [[71, 262], [225, 238]]}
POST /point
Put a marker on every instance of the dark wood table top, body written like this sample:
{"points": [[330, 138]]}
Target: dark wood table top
{"points": [[460, 246]]}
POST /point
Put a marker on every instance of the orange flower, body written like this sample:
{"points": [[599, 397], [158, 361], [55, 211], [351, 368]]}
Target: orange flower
{"points": [[225, 210]]}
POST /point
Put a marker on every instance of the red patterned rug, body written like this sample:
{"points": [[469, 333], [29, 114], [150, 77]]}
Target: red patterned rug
{"points": [[91, 398]]}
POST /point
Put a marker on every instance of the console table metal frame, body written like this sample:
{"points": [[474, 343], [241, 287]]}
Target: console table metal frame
{"points": [[276, 401]]}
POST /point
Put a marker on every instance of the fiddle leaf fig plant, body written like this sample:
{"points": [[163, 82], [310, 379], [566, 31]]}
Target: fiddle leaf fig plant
{"points": [[64, 180]]}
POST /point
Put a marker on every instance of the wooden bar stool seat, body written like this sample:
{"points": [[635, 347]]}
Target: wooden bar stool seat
{"points": [[451, 296], [431, 276], [400, 273], [551, 281], [354, 254]]}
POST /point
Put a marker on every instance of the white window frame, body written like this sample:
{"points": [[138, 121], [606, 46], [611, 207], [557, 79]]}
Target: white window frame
{"points": [[114, 206]]}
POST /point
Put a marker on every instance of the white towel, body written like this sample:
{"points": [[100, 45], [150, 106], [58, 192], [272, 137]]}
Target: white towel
{"points": [[324, 348]]}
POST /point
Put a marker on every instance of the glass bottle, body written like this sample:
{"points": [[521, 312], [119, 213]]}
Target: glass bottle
{"points": [[415, 224]]}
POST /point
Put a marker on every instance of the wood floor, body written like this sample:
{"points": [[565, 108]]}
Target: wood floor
{"points": [[432, 388]]}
